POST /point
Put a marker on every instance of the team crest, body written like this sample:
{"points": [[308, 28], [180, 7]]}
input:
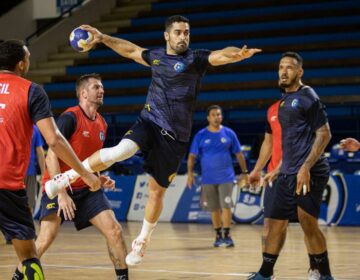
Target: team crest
{"points": [[102, 136], [223, 140], [295, 103], [179, 67]]}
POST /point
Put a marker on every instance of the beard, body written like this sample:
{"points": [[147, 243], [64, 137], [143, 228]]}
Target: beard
{"points": [[288, 83], [180, 48]]}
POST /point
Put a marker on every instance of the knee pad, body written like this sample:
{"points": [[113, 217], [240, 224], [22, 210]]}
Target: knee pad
{"points": [[124, 150], [32, 269]]}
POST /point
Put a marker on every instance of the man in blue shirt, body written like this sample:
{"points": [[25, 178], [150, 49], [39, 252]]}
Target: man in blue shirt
{"points": [[304, 171], [215, 145], [37, 158], [162, 132]]}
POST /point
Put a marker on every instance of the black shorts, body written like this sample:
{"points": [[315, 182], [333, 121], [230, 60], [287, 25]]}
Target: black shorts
{"points": [[269, 199], [16, 220], [88, 205], [163, 154], [287, 200]]}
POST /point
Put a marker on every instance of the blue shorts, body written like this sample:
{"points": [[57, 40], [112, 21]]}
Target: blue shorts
{"points": [[163, 154], [287, 200], [88, 205], [16, 220]]}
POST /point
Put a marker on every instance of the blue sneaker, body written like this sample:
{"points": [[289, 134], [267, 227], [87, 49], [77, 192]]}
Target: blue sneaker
{"points": [[257, 276], [326, 277], [218, 242], [228, 242]]}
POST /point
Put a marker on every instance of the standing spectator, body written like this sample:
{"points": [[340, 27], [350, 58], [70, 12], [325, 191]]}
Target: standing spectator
{"points": [[215, 145]]}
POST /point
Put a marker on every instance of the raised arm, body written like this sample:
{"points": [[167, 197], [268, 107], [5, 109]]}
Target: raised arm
{"points": [[231, 55], [323, 136], [121, 46]]}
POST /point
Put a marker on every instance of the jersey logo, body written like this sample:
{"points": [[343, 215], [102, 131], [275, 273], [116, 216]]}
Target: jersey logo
{"points": [[295, 103], [86, 133], [4, 88], [179, 67], [273, 118], [156, 62], [282, 104], [223, 140], [50, 205], [128, 132], [2, 106], [102, 136], [207, 141], [171, 177], [147, 107]]}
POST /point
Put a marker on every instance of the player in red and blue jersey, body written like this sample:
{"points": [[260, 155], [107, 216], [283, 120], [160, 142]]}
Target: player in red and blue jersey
{"points": [[271, 148], [23, 103], [163, 130], [85, 129], [304, 170]]}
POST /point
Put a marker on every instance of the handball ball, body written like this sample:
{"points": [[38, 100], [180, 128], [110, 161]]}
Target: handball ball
{"points": [[79, 39]]}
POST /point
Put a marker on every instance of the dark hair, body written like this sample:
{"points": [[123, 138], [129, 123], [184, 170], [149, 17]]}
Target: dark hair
{"points": [[213, 107], [295, 55], [11, 53], [176, 18], [84, 79]]}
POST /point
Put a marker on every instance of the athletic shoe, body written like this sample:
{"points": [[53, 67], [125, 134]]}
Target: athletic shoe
{"points": [[326, 277], [218, 242], [258, 276], [138, 250], [314, 274], [228, 242], [53, 186]]}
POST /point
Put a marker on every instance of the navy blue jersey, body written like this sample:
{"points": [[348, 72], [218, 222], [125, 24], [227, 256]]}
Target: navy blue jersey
{"points": [[173, 90], [300, 114]]}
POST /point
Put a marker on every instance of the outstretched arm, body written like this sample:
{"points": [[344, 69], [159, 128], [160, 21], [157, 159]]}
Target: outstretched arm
{"points": [[231, 55], [122, 47]]}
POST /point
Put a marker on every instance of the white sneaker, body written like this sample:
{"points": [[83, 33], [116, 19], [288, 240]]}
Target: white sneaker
{"points": [[314, 274], [138, 250], [53, 186]]}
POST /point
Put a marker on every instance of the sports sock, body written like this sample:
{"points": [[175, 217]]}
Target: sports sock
{"points": [[226, 232], [322, 262], [267, 267], [218, 232], [32, 269], [122, 274], [146, 230], [313, 264]]}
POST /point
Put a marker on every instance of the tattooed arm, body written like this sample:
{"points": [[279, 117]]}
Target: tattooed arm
{"points": [[323, 136]]}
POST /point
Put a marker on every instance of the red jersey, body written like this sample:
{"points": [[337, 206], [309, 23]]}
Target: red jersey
{"points": [[16, 127], [87, 138], [273, 122]]}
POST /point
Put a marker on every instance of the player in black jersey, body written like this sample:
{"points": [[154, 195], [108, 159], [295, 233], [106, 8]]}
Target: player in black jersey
{"points": [[163, 129]]}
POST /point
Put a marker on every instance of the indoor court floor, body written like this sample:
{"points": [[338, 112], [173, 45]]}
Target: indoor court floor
{"points": [[184, 251]]}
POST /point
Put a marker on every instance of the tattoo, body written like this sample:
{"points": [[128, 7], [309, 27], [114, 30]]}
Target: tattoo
{"points": [[323, 136]]}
